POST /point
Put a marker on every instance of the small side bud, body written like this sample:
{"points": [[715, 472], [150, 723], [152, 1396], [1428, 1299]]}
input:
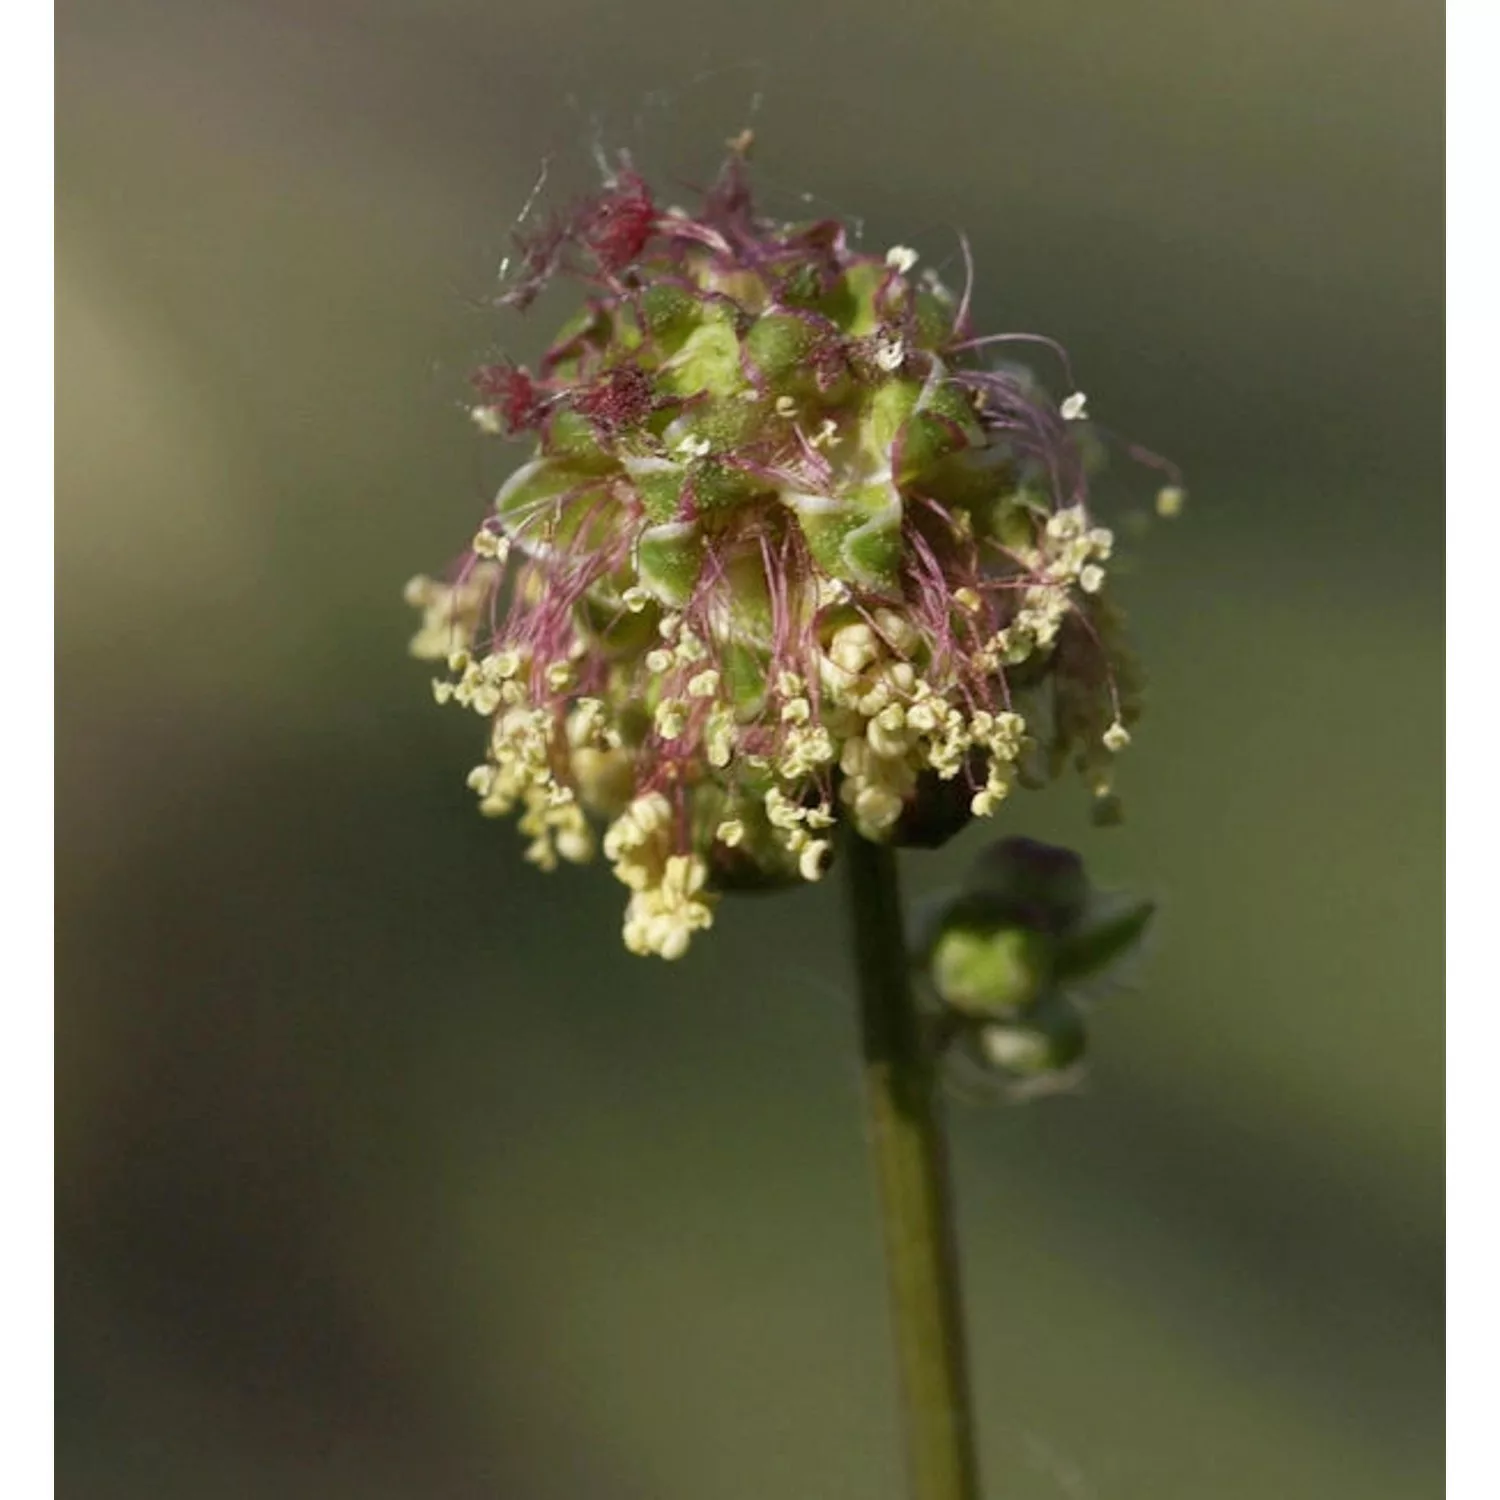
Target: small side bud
{"points": [[981, 970], [1003, 960], [1045, 1044]]}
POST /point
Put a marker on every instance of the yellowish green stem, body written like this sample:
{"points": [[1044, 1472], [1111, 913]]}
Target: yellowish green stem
{"points": [[911, 1168]]}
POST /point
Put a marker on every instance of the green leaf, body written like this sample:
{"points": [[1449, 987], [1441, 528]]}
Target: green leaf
{"points": [[1109, 929]]}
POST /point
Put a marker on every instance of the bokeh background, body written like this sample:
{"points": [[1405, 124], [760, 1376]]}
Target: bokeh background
{"points": [[383, 1172]]}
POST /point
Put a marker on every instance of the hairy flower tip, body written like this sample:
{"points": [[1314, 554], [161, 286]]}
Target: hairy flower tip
{"points": [[790, 548]]}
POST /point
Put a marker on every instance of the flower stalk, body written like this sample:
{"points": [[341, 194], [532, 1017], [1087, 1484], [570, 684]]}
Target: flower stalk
{"points": [[909, 1154]]}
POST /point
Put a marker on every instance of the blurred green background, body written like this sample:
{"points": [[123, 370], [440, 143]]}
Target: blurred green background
{"points": [[383, 1171]]}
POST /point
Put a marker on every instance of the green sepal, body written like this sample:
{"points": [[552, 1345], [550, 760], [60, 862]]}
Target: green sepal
{"points": [[745, 613], [657, 483], [856, 537], [778, 345], [668, 560], [1110, 928], [934, 319], [924, 439], [873, 551], [803, 286], [570, 435], [851, 303], [886, 413], [709, 360], [942, 423], [742, 670], [717, 486], [546, 502], [946, 398], [735, 286], [668, 314], [725, 425], [825, 523], [589, 326]]}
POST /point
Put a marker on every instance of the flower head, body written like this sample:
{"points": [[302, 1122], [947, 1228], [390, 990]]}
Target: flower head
{"points": [[789, 549]]}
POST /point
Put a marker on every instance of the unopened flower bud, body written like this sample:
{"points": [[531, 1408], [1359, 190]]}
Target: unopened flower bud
{"points": [[1004, 957]]}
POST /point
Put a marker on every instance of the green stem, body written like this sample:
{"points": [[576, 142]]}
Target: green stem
{"points": [[906, 1141]]}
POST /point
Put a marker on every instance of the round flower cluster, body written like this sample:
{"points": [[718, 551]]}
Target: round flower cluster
{"points": [[790, 549]]}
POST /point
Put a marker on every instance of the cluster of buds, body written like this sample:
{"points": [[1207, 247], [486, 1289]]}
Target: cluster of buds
{"points": [[1008, 960], [789, 550]]}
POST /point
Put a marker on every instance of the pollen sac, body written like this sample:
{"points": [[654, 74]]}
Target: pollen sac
{"points": [[791, 546]]}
